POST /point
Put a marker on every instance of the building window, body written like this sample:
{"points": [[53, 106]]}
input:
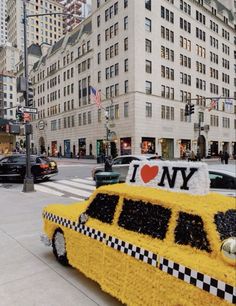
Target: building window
{"points": [[148, 45], [125, 22], [126, 86], [148, 66], [148, 87], [148, 109], [126, 65], [126, 109], [126, 44], [148, 5], [98, 39], [148, 25], [98, 21]]}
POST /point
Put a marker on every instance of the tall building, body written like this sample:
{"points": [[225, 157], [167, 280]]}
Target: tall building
{"points": [[43, 29], [149, 59], [8, 58], [3, 24], [76, 7]]}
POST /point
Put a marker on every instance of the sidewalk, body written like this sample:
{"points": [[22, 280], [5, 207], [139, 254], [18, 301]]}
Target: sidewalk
{"points": [[29, 273]]}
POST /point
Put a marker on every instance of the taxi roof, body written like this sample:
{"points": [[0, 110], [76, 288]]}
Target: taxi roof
{"points": [[211, 203]]}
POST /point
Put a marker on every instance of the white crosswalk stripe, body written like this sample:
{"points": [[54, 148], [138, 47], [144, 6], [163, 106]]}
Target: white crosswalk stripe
{"points": [[77, 189]]}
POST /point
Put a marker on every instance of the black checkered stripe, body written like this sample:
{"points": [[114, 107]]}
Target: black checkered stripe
{"points": [[81, 228], [117, 244], [132, 250], [202, 281]]}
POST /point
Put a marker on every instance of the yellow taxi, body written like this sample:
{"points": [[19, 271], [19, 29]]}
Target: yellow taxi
{"points": [[148, 246]]}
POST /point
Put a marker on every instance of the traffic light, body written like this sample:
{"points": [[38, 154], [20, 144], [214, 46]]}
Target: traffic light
{"points": [[187, 110], [30, 93], [191, 109], [20, 113]]}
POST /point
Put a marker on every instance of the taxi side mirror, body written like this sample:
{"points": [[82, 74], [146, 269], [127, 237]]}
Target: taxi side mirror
{"points": [[228, 250], [83, 218]]}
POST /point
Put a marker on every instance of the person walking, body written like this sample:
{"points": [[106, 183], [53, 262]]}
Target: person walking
{"points": [[221, 155], [108, 164], [226, 157]]}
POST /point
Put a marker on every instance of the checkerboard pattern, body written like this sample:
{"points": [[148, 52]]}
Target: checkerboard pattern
{"points": [[132, 250], [92, 233], [197, 279], [202, 281], [59, 220]]}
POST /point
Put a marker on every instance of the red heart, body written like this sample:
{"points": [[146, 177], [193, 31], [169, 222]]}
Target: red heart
{"points": [[148, 173]]}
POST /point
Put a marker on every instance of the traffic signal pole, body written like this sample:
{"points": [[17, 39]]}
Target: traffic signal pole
{"points": [[28, 181]]}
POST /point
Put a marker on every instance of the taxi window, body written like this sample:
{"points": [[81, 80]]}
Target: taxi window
{"points": [[190, 231], [145, 218], [103, 207], [226, 223]]}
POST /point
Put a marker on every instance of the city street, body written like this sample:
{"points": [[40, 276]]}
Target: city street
{"points": [[30, 274]]}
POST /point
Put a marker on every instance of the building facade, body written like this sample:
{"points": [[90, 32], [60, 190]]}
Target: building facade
{"points": [[9, 57], [3, 24], [76, 7], [44, 29], [148, 58]]}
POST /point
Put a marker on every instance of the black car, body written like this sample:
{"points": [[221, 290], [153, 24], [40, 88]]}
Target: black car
{"points": [[14, 166]]}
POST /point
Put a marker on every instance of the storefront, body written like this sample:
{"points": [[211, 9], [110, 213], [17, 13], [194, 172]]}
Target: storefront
{"points": [[234, 149], [67, 148], [167, 148], [7, 143], [184, 147], [82, 147], [148, 145], [214, 148], [125, 146], [54, 148]]}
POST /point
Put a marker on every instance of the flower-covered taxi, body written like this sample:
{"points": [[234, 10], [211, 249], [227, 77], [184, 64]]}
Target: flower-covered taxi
{"points": [[148, 246]]}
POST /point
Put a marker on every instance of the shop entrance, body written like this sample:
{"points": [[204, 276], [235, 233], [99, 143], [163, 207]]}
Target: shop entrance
{"points": [[167, 148], [42, 148]]}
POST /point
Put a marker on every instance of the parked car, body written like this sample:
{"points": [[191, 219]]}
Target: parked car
{"points": [[121, 164], [14, 167], [147, 246], [223, 179]]}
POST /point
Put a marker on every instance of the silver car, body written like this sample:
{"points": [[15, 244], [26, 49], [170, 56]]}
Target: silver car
{"points": [[121, 164]]}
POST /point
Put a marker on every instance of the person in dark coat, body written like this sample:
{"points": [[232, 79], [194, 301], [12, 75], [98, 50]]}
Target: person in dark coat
{"points": [[108, 164], [221, 157], [226, 157]]}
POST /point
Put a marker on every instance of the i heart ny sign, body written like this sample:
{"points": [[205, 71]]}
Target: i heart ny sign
{"points": [[191, 177]]}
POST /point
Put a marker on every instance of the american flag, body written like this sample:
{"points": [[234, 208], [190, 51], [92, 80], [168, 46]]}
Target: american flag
{"points": [[213, 104], [95, 96]]}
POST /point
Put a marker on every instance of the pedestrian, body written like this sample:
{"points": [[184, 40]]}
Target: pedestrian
{"points": [[221, 157], [108, 164], [192, 156], [226, 157], [198, 157]]}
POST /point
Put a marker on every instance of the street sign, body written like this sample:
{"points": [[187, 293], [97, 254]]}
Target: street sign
{"points": [[30, 110]]}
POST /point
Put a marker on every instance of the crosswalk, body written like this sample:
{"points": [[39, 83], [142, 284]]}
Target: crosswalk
{"points": [[77, 189]]}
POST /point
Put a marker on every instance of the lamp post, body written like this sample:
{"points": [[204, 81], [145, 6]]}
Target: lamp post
{"points": [[29, 181]]}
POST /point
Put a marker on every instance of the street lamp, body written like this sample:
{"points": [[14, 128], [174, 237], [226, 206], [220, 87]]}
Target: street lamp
{"points": [[29, 181]]}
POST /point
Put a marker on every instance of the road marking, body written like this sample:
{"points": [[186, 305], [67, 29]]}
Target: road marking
{"points": [[62, 187], [75, 165], [89, 182], [48, 190], [89, 178], [78, 185]]}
